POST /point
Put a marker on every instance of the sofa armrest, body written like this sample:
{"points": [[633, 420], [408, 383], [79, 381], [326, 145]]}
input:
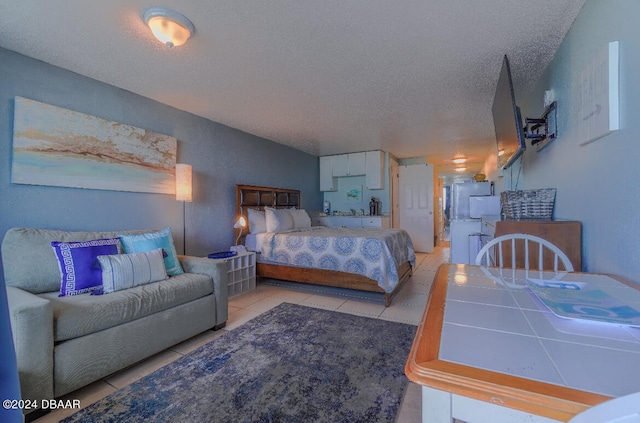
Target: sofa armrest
{"points": [[32, 328], [217, 270]]}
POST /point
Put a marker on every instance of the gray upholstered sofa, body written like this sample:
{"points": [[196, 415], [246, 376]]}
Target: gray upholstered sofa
{"points": [[64, 343]]}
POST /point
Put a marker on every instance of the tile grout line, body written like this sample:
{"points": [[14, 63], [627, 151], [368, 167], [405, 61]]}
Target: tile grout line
{"points": [[539, 340]]}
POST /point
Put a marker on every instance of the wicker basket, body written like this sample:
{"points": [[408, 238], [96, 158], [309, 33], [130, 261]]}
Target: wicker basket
{"points": [[529, 204]]}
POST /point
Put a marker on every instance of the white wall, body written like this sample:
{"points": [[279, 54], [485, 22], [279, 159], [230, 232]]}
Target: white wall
{"points": [[598, 184]]}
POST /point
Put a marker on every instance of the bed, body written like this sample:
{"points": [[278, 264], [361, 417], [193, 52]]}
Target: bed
{"points": [[368, 259]]}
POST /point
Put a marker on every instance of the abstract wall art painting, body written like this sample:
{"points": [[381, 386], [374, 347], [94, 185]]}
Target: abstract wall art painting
{"points": [[60, 147]]}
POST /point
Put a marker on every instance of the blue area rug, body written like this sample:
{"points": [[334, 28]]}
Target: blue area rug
{"points": [[290, 364]]}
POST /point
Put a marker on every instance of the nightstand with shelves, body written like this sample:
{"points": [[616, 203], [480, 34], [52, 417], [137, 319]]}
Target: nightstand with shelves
{"points": [[241, 275], [241, 272]]}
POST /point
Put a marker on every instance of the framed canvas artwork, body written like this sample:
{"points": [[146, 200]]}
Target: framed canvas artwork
{"points": [[60, 147]]}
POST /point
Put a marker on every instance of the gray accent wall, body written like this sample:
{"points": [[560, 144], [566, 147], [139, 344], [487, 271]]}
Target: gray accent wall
{"points": [[599, 183], [221, 158]]}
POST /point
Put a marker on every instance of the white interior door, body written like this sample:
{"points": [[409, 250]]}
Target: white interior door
{"points": [[395, 189], [416, 205]]}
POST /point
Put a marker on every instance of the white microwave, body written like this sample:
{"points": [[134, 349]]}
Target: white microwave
{"points": [[484, 205]]}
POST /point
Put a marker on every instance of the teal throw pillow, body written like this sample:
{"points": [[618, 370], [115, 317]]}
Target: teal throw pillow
{"points": [[150, 241]]}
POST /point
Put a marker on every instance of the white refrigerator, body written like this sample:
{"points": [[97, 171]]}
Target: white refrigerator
{"points": [[461, 193], [463, 224]]}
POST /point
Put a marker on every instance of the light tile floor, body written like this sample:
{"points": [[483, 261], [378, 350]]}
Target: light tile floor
{"points": [[406, 307]]}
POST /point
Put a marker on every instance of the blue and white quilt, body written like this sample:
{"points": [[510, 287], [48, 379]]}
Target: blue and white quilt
{"points": [[371, 252]]}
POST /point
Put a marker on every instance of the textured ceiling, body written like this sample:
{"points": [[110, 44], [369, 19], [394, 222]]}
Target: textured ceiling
{"points": [[412, 77]]}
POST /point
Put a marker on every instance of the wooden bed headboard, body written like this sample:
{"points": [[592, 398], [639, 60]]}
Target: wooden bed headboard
{"points": [[257, 198]]}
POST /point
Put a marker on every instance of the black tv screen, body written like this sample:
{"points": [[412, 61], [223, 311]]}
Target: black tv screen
{"points": [[507, 120]]}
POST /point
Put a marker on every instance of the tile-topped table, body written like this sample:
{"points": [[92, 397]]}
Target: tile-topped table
{"points": [[489, 350]]}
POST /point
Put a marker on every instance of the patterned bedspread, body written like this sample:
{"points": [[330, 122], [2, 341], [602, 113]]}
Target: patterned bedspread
{"points": [[371, 252]]}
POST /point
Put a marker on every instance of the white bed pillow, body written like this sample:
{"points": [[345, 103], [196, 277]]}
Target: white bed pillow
{"points": [[301, 219], [257, 221], [278, 220]]}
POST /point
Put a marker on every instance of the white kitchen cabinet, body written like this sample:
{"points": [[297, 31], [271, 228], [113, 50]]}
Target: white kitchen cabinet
{"points": [[336, 221], [374, 162], [460, 243], [340, 165], [376, 222], [319, 220], [369, 163], [345, 222], [357, 164], [327, 181], [352, 221], [340, 221], [488, 226], [352, 164]]}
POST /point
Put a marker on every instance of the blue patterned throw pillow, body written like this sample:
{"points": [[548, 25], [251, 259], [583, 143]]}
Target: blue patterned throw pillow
{"points": [[123, 271], [150, 241], [78, 263]]}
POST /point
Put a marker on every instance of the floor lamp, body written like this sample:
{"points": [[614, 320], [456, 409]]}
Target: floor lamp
{"points": [[184, 193]]}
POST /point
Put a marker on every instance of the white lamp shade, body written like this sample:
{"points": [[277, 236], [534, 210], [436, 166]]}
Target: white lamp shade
{"points": [[184, 179], [169, 27], [240, 223]]}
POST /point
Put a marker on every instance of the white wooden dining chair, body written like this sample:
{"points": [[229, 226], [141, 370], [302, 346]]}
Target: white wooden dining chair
{"points": [[624, 409], [492, 254]]}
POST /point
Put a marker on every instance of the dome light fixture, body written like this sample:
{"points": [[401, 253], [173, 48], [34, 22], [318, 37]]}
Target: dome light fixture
{"points": [[459, 160], [169, 27]]}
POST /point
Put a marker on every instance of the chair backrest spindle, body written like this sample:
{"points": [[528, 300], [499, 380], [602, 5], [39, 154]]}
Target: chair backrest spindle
{"points": [[543, 244], [541, 258]]}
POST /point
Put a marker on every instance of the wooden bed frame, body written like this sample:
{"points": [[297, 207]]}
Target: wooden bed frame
{"points": [[257, 198]]}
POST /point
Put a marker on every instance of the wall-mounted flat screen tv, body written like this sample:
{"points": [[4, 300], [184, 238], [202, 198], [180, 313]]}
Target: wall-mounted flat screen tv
{"points": [[507, 120]]}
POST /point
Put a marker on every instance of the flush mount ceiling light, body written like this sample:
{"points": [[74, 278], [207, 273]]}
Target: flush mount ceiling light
{"points": [[460, 169], [169, 27], [459, 160]]}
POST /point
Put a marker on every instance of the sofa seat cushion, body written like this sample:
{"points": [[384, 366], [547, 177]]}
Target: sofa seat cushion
{"points": [[84, 314]]}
